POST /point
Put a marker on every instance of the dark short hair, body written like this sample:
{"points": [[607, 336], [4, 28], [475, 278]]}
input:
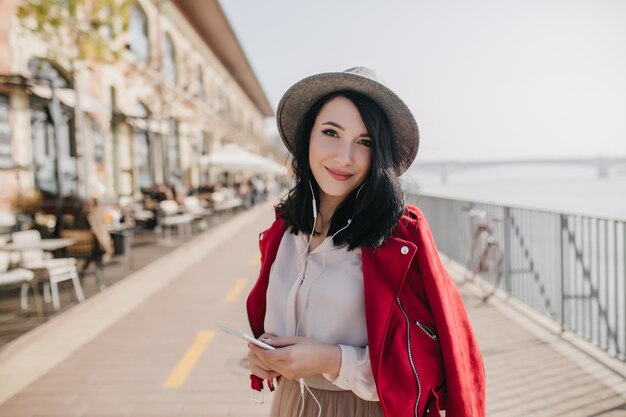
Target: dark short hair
{"points": [[380, 201]]}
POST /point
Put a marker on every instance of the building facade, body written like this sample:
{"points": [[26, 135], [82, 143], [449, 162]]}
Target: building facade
{"points": [[182, 88]]}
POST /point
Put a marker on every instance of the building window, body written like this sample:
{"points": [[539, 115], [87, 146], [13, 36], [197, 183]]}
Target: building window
{"points": [[142, 148], [219, 103], [143, 159], [169, 62], [49, 154], [52, 153], [45, 72], [44, 155], [173, 155], [200, 91], [139, 39], [6, 159], [98, 142], [207, 143]]}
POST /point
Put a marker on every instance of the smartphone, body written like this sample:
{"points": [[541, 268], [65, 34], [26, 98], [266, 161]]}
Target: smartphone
{"points": [[247, 337]]}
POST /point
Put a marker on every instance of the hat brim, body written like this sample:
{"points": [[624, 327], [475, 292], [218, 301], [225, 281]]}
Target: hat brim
{"points": [[299, 98]]}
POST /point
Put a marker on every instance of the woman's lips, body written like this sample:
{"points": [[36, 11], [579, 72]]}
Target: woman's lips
{"points": [[338, 175]]}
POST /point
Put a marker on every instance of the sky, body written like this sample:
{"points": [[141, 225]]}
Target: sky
{"points": [[485, 79]]}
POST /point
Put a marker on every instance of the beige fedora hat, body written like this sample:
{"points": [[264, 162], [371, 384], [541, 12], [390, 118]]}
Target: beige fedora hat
{"points": [[302, 95]]}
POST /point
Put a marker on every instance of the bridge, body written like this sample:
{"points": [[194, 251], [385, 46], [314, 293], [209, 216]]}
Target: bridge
{"points": [[603, 166]]}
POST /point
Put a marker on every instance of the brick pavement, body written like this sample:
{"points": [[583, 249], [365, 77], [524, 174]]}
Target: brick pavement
{"points": [[112, 355], [146, 249]]}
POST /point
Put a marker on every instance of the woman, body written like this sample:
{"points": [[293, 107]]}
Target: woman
{"points": [[351, 291]]}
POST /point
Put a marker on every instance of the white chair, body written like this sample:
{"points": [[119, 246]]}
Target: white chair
{"points": [[7, 221], [225, 200], [56, 270], [18, 277], [193, 205], [125, 200], [170, 219]]}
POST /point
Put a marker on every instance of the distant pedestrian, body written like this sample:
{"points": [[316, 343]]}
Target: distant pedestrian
{"points": [[259, 189], [351, 292], [253, 194]]}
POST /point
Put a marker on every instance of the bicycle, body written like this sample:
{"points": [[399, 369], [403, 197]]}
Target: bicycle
{"points": [[484, 258]]}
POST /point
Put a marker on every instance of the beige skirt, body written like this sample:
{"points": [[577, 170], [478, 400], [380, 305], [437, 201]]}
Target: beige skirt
{"points": [[288, 402]]}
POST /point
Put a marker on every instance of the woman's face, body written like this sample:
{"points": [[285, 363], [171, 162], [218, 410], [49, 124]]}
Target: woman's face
{"points": [[340, 149]]}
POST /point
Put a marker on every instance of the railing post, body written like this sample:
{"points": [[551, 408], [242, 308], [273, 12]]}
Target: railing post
{"points": [[562, 230], [507, 250]]}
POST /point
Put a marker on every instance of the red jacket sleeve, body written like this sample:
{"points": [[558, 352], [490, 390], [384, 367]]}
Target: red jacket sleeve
{"points": [[464, 370]]}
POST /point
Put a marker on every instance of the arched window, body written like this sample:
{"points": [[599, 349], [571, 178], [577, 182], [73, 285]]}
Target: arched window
{"points": [[41, 69], [139, 39], [53, 156], [169, 61]]}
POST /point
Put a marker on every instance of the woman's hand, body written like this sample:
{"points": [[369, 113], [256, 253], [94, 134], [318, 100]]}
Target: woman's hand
{"points": [[257, 366], [299, 357]]}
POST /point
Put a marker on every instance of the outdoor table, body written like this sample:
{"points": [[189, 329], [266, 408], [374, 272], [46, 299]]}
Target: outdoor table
{"points": [[228, 204], [48, 245]]}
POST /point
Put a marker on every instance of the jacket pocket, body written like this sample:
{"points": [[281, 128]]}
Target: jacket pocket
{"points": [[428, 331], [432, 405]]}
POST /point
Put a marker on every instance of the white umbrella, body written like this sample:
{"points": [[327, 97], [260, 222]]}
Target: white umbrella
{"points": [[234, 158]]}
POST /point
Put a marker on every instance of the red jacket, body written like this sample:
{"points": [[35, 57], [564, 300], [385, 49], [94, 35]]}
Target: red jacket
{"points": [[423, 353]]}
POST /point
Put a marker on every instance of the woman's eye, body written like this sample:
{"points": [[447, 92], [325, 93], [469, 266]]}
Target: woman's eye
{"points": [[366, 142], [330, 132]]}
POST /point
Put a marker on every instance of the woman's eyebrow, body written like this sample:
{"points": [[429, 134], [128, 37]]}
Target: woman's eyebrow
{"points": [[338, 126]]}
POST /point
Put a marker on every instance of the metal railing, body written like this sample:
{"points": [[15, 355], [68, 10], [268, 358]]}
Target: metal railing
{"points": [[570, 267]]}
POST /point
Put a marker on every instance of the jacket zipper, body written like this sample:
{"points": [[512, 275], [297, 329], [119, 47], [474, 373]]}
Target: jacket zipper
{"points": [[408, 341], [429, 332]]}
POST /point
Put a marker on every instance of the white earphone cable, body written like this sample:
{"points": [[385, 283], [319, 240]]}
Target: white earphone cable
{"points": [[303, 384]]}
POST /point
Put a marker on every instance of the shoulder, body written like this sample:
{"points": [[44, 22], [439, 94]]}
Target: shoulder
{"points": [[280, 212], [412, 225], [412, 212], [279, 208], [279, 224], [410, 219]]}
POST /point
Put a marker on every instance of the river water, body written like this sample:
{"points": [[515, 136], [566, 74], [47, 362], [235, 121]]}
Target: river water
{"points": [[574, 190]]}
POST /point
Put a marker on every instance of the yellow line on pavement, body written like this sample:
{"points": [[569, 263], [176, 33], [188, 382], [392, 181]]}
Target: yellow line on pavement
{"points": [[236, 290], [187, 362]]}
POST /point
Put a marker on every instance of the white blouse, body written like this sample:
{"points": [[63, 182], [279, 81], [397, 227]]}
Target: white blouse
{"points": [[320, 295]]}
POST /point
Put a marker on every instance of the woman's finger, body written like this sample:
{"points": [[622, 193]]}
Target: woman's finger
{"points": [[264, 354], [267, 336], [255, 357], [260, 368], [282, 341], [261, 373]]}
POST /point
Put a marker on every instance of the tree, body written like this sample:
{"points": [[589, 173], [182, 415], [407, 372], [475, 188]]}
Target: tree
{"points": [[80, 34], [79, 31]]}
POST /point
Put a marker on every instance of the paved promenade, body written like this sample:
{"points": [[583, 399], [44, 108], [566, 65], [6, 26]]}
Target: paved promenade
{"points": [[150, 346]]}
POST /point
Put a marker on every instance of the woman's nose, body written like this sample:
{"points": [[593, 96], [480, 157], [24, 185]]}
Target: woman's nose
{"points": [[343, 153]]}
